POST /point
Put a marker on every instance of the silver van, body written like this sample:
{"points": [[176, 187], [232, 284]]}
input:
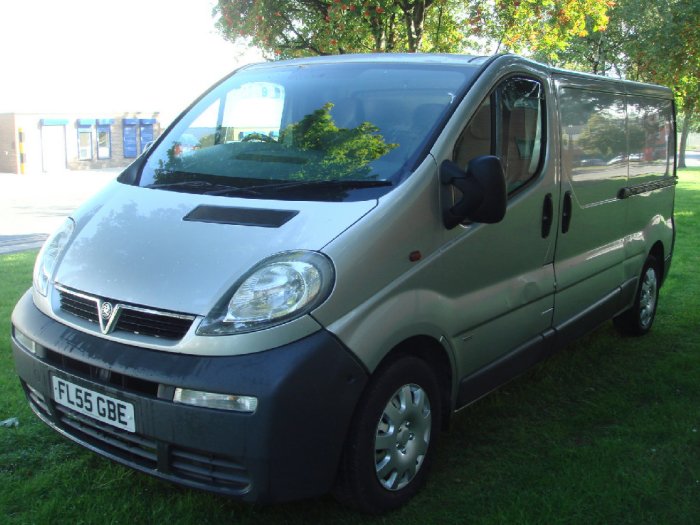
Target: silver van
{"points": [[321, 260]]}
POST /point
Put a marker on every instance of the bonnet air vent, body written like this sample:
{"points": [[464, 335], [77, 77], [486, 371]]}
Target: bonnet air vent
{"points": [[241, 216]]}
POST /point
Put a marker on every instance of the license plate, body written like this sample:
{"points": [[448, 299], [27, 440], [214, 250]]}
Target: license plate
{"points": [[93, 404]]}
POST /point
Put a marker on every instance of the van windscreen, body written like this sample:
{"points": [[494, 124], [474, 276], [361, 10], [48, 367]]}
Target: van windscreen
{"points": [[324, 131]]}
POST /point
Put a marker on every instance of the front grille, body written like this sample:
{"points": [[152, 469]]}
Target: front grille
{"points": [[124, 317], [79, 306], [156, 325], [210, 469], [38, 400], [126, 445]]}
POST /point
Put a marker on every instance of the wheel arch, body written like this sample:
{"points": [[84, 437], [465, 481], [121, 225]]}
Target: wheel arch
{"points": [[437, 357], [657, 251]]}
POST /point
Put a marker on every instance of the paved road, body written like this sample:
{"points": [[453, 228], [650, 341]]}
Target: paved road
{"points": [[32, 206], [692, 158]]}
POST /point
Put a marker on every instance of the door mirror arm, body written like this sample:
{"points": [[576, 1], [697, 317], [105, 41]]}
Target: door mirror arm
{"points": [[483, 189]]}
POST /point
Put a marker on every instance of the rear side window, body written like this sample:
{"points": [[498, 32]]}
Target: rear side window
{"points": [[509, 124], [650, 138], [593, 143], [593, 136]]}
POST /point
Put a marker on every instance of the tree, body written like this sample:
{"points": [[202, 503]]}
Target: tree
{"points": [[343, 152], [664, 49], [543, 27], [288, 29], [603, 136], [652, 41], [294, 28], [598, 51]]}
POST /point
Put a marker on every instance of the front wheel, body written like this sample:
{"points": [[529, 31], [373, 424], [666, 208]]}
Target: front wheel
{"points": [[639, 318], [392, 439]]}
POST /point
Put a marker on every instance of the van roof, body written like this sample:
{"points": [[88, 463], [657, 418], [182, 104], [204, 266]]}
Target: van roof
{"points": [[420, 58], [588, 80]]}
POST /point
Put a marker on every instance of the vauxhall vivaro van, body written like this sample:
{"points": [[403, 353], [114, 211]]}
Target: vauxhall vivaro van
{"points": [[322, 259]]}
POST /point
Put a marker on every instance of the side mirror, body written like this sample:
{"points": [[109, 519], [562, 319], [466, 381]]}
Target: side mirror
{"points": [[483, 189]]}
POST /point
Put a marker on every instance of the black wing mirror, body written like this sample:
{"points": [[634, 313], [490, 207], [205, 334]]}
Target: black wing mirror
{"points": [[483, 189]]}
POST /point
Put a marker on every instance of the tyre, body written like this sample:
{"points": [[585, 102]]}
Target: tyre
{"points": [[639, 318], [391, 442]]}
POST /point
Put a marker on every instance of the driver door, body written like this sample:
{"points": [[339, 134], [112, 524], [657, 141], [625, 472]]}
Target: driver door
{"points": [[500, 277]]}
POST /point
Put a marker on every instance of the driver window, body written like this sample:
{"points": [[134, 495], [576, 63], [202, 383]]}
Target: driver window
{"points": [[508, 124]]}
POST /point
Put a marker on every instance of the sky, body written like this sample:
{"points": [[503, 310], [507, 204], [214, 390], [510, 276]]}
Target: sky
{"points": [[98, 56]]}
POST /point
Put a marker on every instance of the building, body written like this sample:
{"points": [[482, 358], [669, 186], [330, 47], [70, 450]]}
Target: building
{"points": [[36, 143]]}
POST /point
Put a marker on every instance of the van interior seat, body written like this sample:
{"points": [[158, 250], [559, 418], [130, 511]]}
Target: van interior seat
{"points": [[422, 119], [476, 138], [520, 142], [424, 116], [381, 111], [348, 113]]}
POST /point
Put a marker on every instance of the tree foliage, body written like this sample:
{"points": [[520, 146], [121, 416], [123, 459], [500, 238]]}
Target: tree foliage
{"points": [[664, 49], [603, 136], [651, 41], [343, 152], [537, 26], [295, 28]]}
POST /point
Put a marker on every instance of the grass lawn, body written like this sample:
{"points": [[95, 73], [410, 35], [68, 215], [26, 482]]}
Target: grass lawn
{"points": [[606, 431]]}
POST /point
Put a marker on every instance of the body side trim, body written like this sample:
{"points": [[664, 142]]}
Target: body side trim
{"points": [[508, 367], [629, 191]]}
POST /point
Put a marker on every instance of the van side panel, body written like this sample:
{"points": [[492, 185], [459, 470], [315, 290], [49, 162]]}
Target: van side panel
{"points": [[617, 158], [591, 243], [650, 189]]}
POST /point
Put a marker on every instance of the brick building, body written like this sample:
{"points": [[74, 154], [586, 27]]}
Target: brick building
{"points": [[35, 143]]}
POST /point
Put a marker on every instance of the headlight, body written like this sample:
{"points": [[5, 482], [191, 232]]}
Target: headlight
{"points": [[49, 254], [279, 289]]}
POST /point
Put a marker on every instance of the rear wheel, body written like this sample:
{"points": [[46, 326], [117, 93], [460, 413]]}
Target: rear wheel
{"points": [[640, 317], [392, 439]]}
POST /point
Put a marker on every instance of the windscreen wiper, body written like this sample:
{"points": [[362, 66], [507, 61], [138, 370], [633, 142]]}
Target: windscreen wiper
{"points": [[191, 184], [204, 187], [334, 183], [341, 184]]}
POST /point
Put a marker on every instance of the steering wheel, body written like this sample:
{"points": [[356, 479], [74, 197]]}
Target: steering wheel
{"points": [[258, 137]]}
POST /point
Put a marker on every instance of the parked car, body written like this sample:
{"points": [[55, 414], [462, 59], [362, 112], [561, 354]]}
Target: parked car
{"points": [[619, 159], [592, 162]]}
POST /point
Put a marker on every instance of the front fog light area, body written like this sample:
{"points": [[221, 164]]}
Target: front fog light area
{"points": [[25, 341], [211, 400]]}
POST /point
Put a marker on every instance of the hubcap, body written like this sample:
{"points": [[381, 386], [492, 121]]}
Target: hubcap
{"points": [[647, 298], [402, 437]]}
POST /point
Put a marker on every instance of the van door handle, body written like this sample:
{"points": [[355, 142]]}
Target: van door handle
{"points": [[566, 213], [547, 215]]}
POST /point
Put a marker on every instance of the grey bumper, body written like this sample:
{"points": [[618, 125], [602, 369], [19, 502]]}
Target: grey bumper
{"points": [[288, 449]]}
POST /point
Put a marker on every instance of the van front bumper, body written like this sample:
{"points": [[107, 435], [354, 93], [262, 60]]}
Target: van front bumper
{"points": [[289, 448]]}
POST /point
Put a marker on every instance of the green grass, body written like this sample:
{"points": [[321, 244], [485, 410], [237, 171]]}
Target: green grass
{"points": [[606, 431]]}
